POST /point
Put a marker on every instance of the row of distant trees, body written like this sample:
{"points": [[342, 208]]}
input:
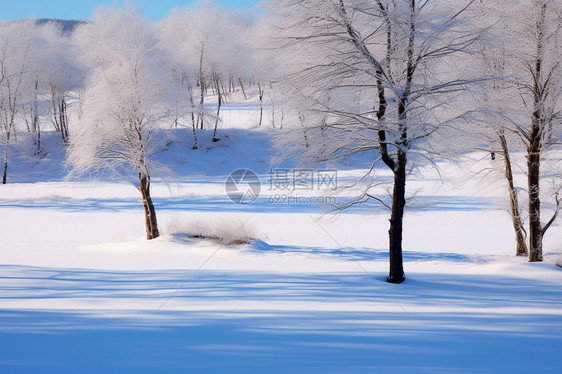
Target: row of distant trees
{"points": [[47, 76], [412, 82], [37, 67]]}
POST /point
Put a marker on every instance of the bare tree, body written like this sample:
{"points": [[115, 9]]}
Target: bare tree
{"points": [[493, 125], [207, 43], [16, 40], [378, 76], [60, 74], [544, 71], [527, 102]]}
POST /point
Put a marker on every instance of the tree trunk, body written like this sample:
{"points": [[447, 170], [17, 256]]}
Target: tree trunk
{"points": [[194, 129], [219, 103], [535, 227], [201, 86], [260, 91], [520, 235], [149, 211], [35, 119], [396, 274], [6, 155], [63, 120], [193, 123], [242, 87], [535, 143]]}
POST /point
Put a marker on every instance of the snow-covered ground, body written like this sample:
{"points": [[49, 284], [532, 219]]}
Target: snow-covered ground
{"points": [[81, 290]]}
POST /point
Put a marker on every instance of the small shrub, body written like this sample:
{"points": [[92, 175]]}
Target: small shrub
{"points": [[225, 230]]}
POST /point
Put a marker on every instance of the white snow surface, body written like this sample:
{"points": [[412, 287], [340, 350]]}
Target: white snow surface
{"points": [[82, 290]]}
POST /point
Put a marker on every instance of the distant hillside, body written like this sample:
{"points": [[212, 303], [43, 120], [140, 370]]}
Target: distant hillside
{"points": [[68, 26]]}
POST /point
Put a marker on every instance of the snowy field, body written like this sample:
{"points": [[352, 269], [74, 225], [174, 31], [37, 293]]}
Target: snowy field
{"points": [[83, 291]]}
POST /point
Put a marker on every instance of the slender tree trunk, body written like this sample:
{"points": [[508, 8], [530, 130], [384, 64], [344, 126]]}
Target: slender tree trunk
{"points": [[194, 128], [535, 227], [35, 119], [260, 91], [201, 120], [219, 103], [63, 120], [201, 86], [149, 211], [193, 123], [5, 172], [6, 155], [242, 87], [38, 138], [396, 274], [520, 235]]}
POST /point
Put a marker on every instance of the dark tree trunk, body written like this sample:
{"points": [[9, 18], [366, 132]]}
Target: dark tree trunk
{"points": [[201, 86], [5, 171], [535, 144], [260, 91], [520, 235], [149, 211], [35, 119], [63, 119], [6, 156], [399, 194], [535, 227], [219, 104], [396, 274]]}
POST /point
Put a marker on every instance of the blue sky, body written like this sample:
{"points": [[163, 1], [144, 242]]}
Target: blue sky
{"points": [[82, 9]]}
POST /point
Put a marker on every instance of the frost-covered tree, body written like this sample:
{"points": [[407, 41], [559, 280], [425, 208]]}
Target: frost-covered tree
{"points": [[54, 74], [377, 76], [542, 90], [16, 42], [208, 46], [525, 104], [126, 94], [62, 75]]}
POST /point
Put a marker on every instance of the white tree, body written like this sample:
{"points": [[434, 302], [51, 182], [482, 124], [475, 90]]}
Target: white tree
{"points": [[378, 76], [16, 39], [126, 94], [526, 103], [62, 75], [207, 44], [53, 74]]}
